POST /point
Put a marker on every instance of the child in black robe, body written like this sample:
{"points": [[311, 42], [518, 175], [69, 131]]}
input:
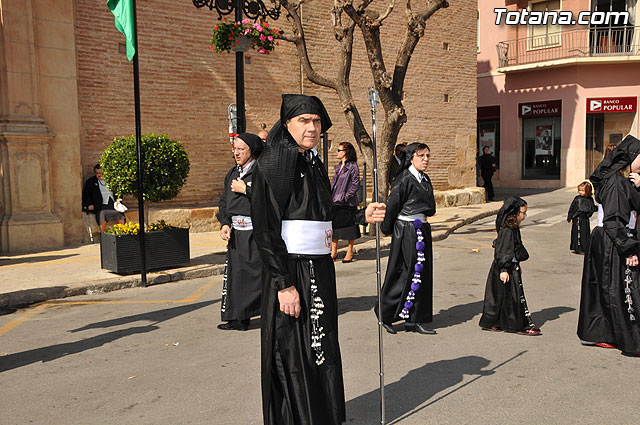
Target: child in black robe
{"points": [[505, 307], [581, 209]]}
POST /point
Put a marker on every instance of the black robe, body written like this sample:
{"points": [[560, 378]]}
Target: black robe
{"points": [[505, 305], [408, 197], [295, 389], [581, 209], [241, 286], [603, 311]]}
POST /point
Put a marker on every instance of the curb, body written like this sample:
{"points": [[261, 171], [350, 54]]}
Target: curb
{"points": [[24, 298]]}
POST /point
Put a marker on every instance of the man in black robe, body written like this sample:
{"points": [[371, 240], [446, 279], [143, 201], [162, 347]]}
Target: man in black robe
{"points": [[241, 288], [395, 164], [292, 209], [487, 168]]}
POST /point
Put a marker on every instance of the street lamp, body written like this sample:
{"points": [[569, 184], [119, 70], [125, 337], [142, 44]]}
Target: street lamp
{"points": [[253, 9]]}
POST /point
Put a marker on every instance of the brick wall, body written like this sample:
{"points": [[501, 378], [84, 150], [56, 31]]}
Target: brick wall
{"points": [[185, 88]]}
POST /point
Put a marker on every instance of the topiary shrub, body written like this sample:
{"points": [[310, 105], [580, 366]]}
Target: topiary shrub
{"points": [[166, 167]]}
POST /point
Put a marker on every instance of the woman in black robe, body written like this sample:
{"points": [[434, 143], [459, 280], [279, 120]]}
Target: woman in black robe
{"points": [[505, 306], [581, 209], [610, 295], [241, 285], [410, 202]]}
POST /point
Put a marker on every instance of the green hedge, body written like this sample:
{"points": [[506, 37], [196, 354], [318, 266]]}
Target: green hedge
{"points": [[166, 167]]}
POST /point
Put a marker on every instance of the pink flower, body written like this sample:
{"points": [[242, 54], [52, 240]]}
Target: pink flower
{"points": [[270, 38], [247, 31], [258, 27], [262, 37], [246, 21], [261, 50]]}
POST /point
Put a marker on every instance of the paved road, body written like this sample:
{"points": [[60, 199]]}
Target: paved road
{"points": [[154, 356]]}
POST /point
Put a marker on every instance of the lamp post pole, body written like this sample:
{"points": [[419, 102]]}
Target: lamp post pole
{"points": [[253, 9], [241, 121]]}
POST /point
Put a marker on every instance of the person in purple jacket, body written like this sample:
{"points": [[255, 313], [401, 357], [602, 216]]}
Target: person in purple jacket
{"points": [[344, 189]]}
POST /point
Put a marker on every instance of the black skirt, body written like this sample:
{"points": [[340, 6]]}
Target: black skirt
{"points": [[604, 315], [580, 233], [241, 287], [297, 387], [344, 223], [505, 305], [400, 270]]}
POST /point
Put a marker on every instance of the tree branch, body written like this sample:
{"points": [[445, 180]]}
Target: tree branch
{"points": [[301, 45], [416, 24], [386, 14]]}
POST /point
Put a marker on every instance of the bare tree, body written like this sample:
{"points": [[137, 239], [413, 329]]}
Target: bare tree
{"points": [[345, 17]]}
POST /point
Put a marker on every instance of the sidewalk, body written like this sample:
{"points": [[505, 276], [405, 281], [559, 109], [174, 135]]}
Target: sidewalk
{"points": [[36, 277]]}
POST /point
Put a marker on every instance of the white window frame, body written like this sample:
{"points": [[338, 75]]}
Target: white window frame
{"points": [[530, 35]]}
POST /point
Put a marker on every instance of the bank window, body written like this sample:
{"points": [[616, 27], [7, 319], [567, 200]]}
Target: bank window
{"points": [[542, 140], [543, 36]]}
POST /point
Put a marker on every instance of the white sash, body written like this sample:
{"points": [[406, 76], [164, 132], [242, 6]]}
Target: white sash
{"points": [[632, 218], [307, 237], [600, 215], [242, 222], [413, 217]]}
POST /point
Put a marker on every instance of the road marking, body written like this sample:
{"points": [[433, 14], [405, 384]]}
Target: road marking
{"points": [[39, 308], [23, 318]]}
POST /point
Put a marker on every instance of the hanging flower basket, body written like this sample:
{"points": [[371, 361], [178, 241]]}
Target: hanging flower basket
{"points": [[240, 35]]}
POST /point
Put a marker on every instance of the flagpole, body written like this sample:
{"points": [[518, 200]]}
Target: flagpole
{"points": [[373, 99], [140, 153]]}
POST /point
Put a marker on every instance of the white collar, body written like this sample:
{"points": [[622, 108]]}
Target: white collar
{"points": [[247, 167], [417, 174]]}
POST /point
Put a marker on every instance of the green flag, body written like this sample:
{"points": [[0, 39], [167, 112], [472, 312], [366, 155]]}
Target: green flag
{"points": [[123, 11]]}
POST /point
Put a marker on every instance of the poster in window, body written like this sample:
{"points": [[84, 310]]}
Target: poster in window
{"points": [[487, 138], [544, 140]]}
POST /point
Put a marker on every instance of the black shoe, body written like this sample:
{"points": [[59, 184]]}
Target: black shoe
{"points": [[389, 328], [235, 325], [417, 327]]}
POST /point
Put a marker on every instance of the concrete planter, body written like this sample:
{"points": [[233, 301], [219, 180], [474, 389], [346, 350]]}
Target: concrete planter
{"points": [[164, 249]]}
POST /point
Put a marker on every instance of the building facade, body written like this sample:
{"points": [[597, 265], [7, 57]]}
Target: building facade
{"points": [[66, 91], [551, 97]]}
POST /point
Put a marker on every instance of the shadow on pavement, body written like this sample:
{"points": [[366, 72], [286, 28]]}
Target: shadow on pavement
{"points": [[363, 303], [547, 314], [9, 261], [53, 352], [211, 258], [414, 389], [31, 296], [153, 316], [457, 314]]}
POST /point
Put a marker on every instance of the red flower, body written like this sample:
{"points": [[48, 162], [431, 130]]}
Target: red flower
{"points": [[266, 25], [215, 28]]}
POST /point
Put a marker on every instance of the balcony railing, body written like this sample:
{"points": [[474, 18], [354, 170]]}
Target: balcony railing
{"points": [[575, 43]]}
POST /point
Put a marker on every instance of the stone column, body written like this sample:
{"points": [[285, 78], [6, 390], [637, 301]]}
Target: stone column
{"points": [[27, 219]]}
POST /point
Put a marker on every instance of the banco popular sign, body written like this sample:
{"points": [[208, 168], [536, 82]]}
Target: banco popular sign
{"points": [[600, 105], [544, 108]]}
